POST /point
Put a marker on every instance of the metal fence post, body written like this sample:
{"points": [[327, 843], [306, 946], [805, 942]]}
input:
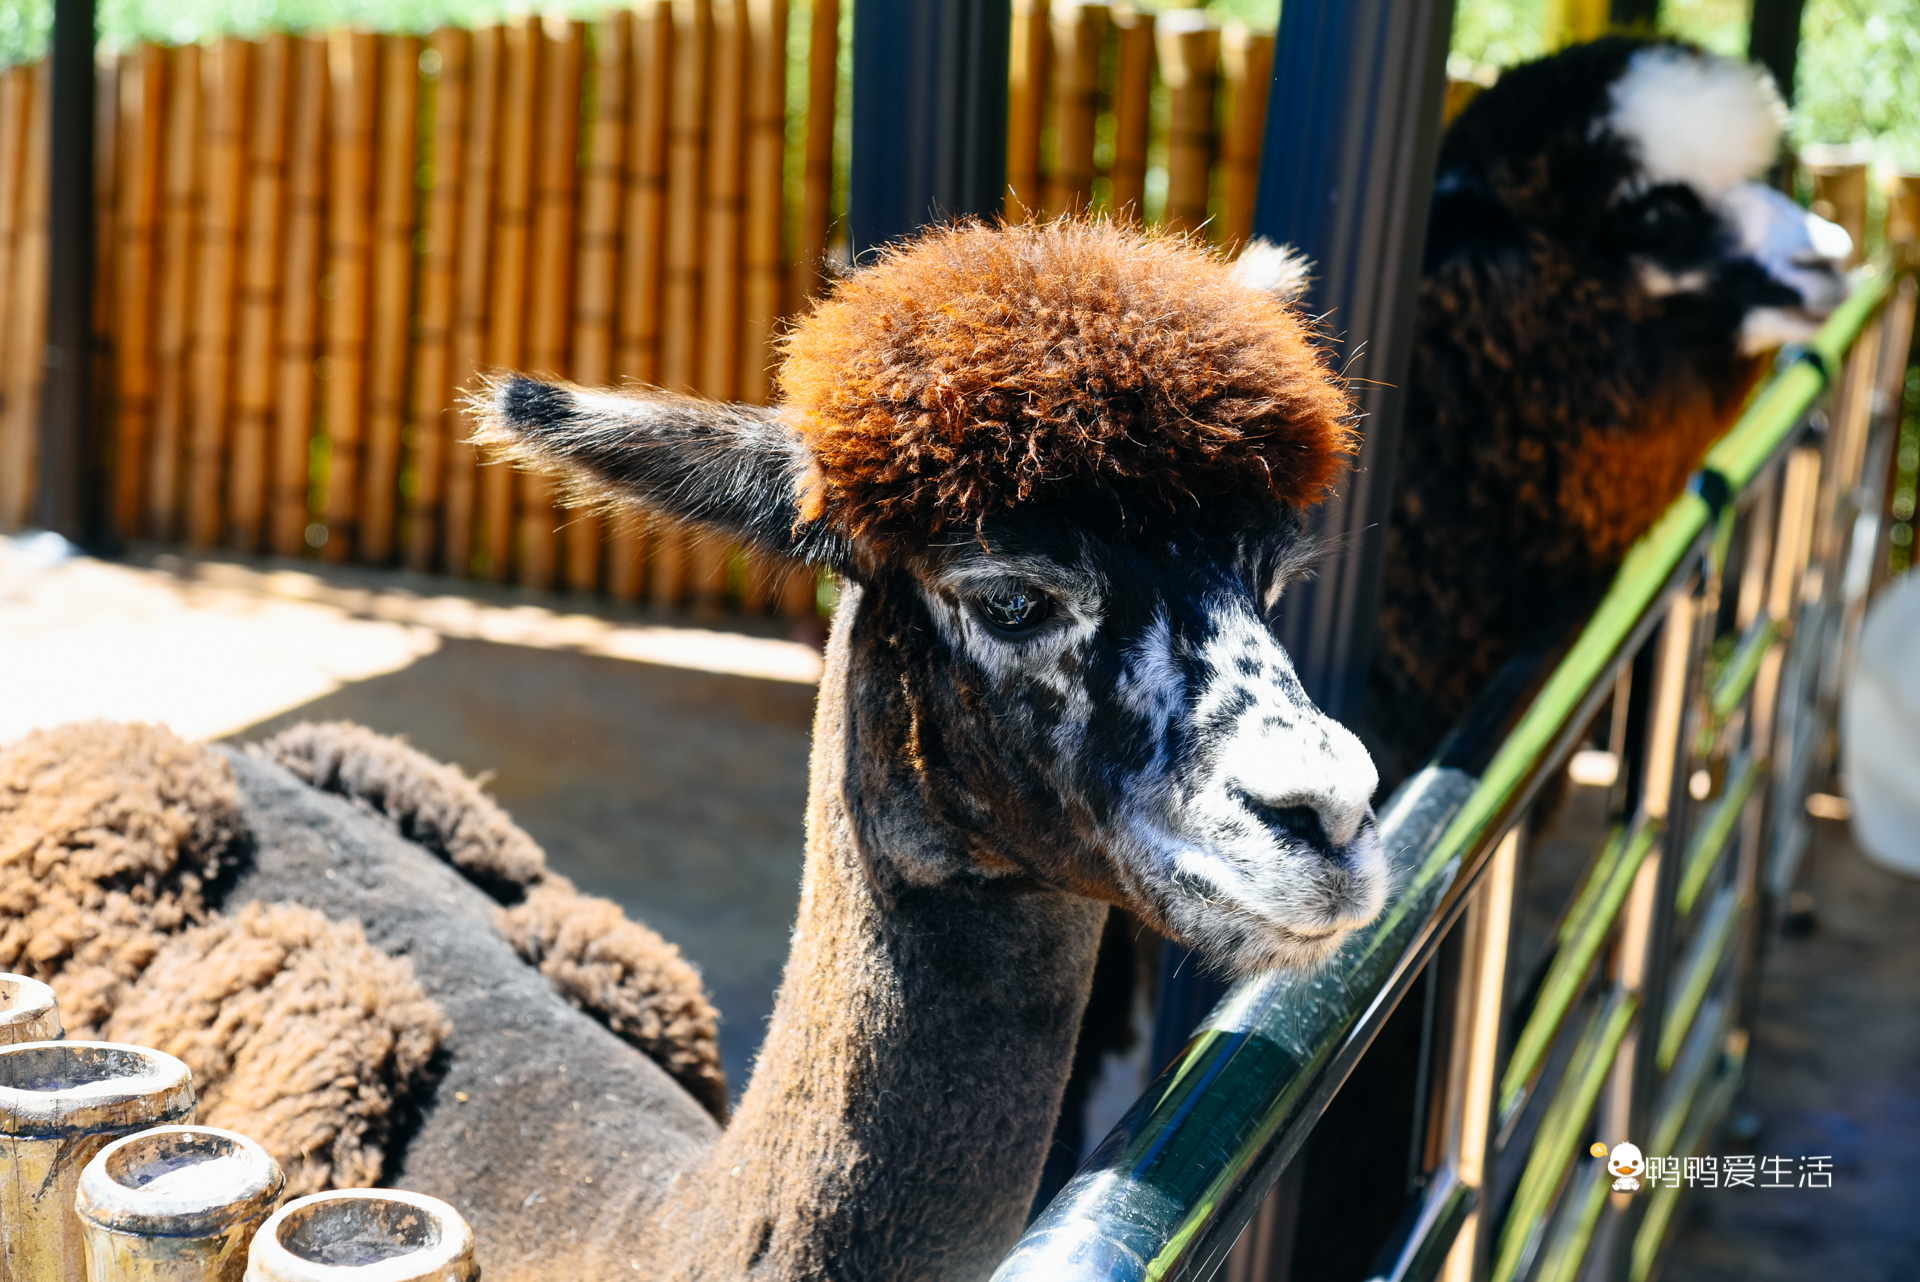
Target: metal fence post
{"points": [[929, 116], [1774, 39], [68, 500]]}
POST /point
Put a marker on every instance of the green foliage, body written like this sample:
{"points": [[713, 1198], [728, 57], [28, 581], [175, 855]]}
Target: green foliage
{"points": [[1499, 33], [1859, 76]]}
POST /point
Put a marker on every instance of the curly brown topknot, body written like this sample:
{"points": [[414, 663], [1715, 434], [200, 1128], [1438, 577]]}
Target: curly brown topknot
{"points": [[985, 367]]}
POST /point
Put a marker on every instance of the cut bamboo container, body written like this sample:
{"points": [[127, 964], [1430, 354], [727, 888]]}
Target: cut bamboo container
{"points": [[324, 1237], [394, 185], [224, 68], [597, 251], [434, 415], [512, 219], [141, 100], [173, 285], [259, 292], [1839, 174], [27, 334], [473, 289], [175, 1204], [550, 277], [1189, 52], [1079, 31], [1132, 113], [816, 190], [352, 69], [1026, 105], [28, 1011], [61, 1103], [643, 245], [297, 328], [764, 181], [1246, 59], [683, 259]]}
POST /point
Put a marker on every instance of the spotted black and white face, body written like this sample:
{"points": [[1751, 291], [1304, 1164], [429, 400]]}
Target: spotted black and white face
{"points": [[1117, 718]]}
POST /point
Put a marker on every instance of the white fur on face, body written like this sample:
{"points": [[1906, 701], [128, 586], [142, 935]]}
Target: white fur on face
{"points": [[1698, 119], [1280, 270], [1801, 250]]}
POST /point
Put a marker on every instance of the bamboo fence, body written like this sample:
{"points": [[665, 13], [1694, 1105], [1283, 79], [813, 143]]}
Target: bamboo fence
{"points": [[312, 246]]}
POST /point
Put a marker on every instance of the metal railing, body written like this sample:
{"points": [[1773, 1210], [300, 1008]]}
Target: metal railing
{"points": [[1719, 647]]}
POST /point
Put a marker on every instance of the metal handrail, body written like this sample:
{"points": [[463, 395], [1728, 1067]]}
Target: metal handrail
{"points": [[1169, 1190]]}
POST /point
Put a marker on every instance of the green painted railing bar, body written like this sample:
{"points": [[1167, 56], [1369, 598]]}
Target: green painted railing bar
{"points": [[1703, 958], [1737, 677], [1553, 1149], [1661, 1205], [1567, 976], [1594, 886], [1775, 413], [1697, 1060], [1568, 1249], [1711, 837]]}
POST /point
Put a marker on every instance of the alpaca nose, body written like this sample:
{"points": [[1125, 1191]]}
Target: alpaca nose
{"points": [[1315, 790]]}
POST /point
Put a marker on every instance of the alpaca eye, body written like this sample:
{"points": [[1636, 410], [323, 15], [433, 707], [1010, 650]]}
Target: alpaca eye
{"points": [[1016, 610]]}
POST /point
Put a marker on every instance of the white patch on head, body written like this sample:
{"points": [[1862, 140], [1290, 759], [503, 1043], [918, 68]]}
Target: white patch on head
{"points": [[1698, 119], [1280, 270]]}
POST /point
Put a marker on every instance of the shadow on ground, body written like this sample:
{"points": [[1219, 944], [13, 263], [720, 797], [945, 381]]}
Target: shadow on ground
{"points": [[1835, 1071], [681, 795]]}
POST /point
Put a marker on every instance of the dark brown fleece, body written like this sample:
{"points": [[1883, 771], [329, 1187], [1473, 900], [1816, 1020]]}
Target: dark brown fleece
{"points": [[978, 368], [619, 971]]}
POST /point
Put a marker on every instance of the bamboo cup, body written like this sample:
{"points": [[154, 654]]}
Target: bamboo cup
{"points": [[363, 1235], [28, 1011], [61, 1103], [175, 1204]]}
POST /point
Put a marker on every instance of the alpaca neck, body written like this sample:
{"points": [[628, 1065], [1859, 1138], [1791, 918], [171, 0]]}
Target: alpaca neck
{"points": [[902, 1105]]}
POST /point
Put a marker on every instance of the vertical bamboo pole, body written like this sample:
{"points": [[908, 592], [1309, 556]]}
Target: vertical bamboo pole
{"points": [[816, 191], [61, 1103], [224, 65], [597, 247], [1078, 32], [1247, 60], [435, 418], [765, 191], [415, 1238], [28, 1011], [394, 180], [175, 1204], [107, 145], [1132, 113], [27, 335], [1189, 51], [179, 210], [550, 279], [512, 217], [1027, 105], [260, 263], [473, 288], [297, 330], [142, 101], [353, 71], [681, 280], [643, 244], [16, 110]]}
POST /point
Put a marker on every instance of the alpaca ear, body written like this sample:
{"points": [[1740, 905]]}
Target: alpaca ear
{"points": [[734, 468], [1280, 270]]}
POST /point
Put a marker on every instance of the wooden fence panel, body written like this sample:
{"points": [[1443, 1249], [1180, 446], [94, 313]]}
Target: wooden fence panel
{"points": [[297, 324], [1189, 52], [27, 335], [550, 279], [106, 247], [816, 193], [225, 68], [764, 179], [1132, 113], [142, 99], [433, 413], [17, 107], [473, 288], [395, 184], [1078, 31], [512, 229], [259, 294], [353, 69], [1027, 105], [179, 211], [1247, 63]]}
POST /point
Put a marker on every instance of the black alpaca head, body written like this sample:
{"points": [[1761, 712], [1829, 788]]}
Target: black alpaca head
{"points": [[1635, 159], [1061, 469]]}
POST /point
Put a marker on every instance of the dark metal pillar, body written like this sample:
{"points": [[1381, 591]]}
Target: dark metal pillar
{"points": [[1641, 15], [929, 115], [1774, 40], [69, 494]]}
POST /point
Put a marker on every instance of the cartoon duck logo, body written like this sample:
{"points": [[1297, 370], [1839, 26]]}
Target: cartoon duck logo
{"points": [[1626, 1166]]}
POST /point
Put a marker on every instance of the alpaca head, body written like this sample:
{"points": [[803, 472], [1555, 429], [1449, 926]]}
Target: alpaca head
{"points": [[1061, 470], [1634, 159]]}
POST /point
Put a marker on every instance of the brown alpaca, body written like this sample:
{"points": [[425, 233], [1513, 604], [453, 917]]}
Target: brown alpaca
{"points": [[1060, 471]]}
